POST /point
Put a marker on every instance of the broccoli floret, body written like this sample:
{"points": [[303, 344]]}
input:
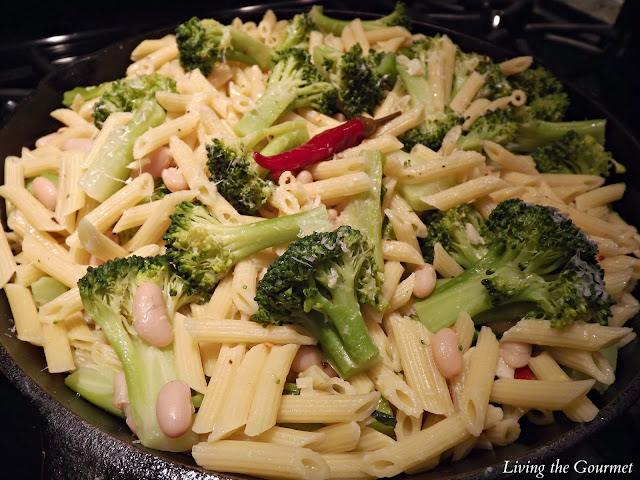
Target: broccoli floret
{"points": [[202, 43], [327, 24], [294, 82], [236, 176], [107, 294], [360, 80], [297, 33], [495, 84], [496, 125], [574, 153], [457, 230], [87, 93], [538, 264], [204, 250], [546, 98], [431, 132], [127, 94], [524, 135], [320, 282]]}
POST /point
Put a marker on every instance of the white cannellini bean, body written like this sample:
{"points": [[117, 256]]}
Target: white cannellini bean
{"points": [[120, 392], [332, 213], [425, 281], [45, 191], [174, 409], [515, 354], [446, 353], [174, 179], [159, 159], [306, 356], [304, 177], [83, 144], [150, 315]]}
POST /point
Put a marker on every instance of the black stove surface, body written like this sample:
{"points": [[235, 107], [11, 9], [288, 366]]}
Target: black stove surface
{"points": [[591, 46]]}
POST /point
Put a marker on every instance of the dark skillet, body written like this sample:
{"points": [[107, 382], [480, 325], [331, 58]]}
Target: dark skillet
{"points": [[81, 441]]}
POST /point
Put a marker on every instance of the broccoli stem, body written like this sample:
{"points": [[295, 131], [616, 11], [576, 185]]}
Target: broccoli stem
{"points": [[363, 212], [534, 134], [285, 141], [418, 88], [333, 25], [87, 93], [248, 50], [146, 369], [254, 237], [344, 311], [108, 172], [332, 345], [267, 109], [95, 384], [256, 137], [413, 192]]}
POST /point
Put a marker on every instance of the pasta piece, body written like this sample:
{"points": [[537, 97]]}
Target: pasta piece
{"points": [[554, 395], [464, 192], [326, 408], [479, 381], [415, 452], [25, 314], [580, 335], [225, 370], [57, 350], [338, 438], [413, 341], [593, 364], [265, 404], [188, 361], [545, 367], [34, 212], [237, 405], [395, 389], [230, 331], [264, 459]]}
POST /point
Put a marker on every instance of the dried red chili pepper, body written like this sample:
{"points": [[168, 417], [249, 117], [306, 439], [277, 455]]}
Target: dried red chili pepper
{"points": [[523, 373], [324, 145]]}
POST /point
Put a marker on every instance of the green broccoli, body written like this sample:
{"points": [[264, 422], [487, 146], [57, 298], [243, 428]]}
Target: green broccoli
{"points": [[87, 93], [360, 80], [327, 24], [451, 229], [431, 132], [575, 153], [435, 126], [524, 135], [294, 82], [202, 43], [127, 94], [538, 264], [297, 32], [320, 282], [237, 176], [107, 294], [109, 171], [204, 250], [495, 84], [546, 98]]}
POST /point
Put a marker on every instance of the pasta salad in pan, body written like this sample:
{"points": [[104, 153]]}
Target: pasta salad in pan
{"points": [[322, 248]]}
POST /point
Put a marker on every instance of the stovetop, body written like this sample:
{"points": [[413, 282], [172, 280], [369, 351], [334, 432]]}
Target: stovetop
{"points": [[589, 43]]}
